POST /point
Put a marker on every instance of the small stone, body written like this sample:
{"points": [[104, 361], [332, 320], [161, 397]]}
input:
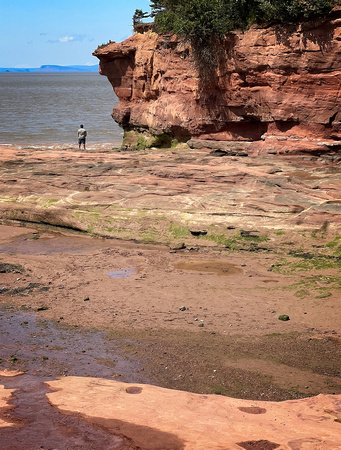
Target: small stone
{"points": [[86, 299], [179, 246], [42, 308], [198, 232], [183, 308], [284, 317]]}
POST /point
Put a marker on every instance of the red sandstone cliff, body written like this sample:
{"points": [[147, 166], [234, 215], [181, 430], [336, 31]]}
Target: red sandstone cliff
{"points": [[273, 87]]}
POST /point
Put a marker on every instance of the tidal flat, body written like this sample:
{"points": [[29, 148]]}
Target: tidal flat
{"points": [[207, 253]]}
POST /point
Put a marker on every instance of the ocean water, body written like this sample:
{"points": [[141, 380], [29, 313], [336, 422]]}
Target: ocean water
{"points": [[39, 108]]}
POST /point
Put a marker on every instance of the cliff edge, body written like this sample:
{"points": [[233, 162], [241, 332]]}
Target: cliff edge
{"points": [[275, 89]]}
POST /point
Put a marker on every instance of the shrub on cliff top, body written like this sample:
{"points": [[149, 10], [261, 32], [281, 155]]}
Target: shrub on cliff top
{"points": [[204, 22], [205, 18]]}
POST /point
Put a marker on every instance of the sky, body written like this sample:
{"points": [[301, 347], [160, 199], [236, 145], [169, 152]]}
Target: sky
{"points": [[62, 32]]}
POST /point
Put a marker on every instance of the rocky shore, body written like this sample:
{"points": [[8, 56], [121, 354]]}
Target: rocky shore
{"points": [[205, 273]]}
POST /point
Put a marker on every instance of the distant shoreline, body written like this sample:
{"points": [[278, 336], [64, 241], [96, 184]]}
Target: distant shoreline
{"points": [[51, 69]]}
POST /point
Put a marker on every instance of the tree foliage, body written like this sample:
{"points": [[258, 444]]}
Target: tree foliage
{"points": [[202, 18], [204, 22], [139, 15]]}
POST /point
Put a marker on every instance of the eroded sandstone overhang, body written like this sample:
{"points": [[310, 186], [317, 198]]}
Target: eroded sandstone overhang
{"points": [[271, 83]]}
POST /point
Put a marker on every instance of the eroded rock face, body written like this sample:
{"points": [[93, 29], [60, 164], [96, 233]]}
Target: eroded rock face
{"points": [[271, 84]]}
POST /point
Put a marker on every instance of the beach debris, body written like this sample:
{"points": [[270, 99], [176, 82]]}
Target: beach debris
{"points": [[183, 308], [87, 299]]}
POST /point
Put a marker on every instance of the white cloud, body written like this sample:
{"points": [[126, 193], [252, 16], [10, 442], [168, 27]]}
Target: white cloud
{"points": [[65, 39]]}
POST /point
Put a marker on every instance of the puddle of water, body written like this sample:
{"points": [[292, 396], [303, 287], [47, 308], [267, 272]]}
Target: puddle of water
{"points": [[210, 265], [45, 351], [45, 241], [51, 243], [41, 348], [122, 273]]}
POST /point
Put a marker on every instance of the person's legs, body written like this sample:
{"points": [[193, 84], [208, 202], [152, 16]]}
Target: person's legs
{"points": [[80, 142]]}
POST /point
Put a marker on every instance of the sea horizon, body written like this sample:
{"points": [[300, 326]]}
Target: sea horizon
{"points": [[52, 68]]}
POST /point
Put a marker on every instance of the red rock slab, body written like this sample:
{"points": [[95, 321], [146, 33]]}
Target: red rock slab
{"points": [[157, 418], [5, 396]]}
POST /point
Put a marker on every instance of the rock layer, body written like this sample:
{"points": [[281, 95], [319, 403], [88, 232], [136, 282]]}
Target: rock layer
{"points": [[138, 195], [278, 85], [156, 418]]}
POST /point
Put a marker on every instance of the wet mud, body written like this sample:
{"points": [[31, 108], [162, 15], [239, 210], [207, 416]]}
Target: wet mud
{"points": [[43, 351], [41, 348], [209, 266]]}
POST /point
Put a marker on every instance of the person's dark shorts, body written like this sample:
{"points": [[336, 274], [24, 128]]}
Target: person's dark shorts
{"points": [[81, 141]]}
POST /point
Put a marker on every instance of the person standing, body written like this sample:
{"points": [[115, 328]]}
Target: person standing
{"points": [[82, 134]]}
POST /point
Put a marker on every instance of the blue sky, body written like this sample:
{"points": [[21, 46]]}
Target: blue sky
{"points": [[62, 32]]}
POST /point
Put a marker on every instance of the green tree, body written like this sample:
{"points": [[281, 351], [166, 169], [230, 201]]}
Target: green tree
{"points": [[291, 11], [192, 18], [156, 7], [205, 22], [139, 15]]}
